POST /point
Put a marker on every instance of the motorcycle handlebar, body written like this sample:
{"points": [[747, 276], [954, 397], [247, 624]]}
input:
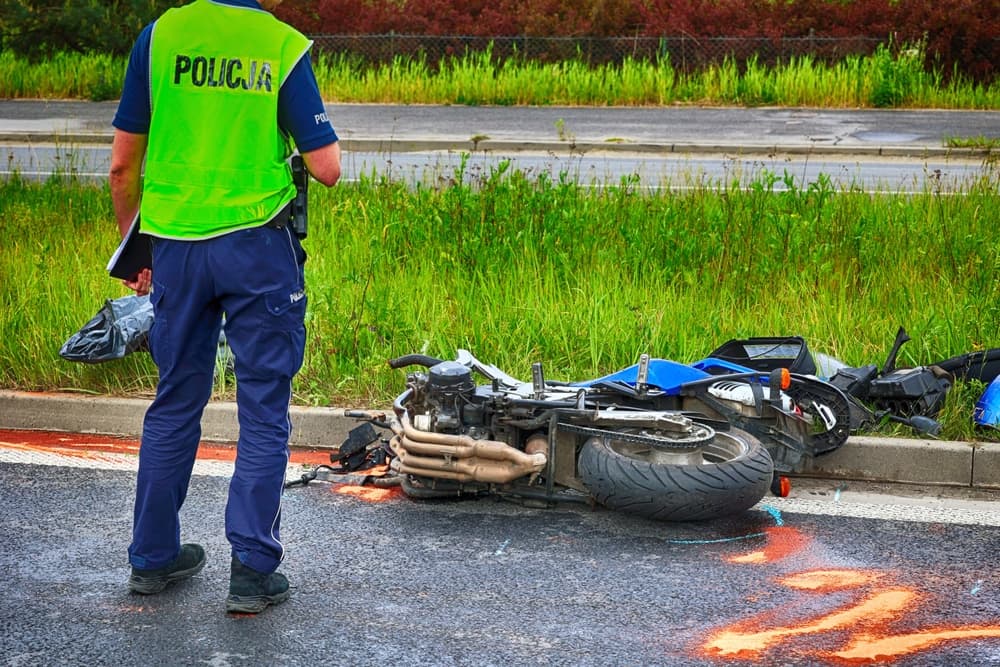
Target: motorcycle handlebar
{"points": [[414, 360]]}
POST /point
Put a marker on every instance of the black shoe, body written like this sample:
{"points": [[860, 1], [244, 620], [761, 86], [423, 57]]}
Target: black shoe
{"points": [[250, 591], [187, 564]]}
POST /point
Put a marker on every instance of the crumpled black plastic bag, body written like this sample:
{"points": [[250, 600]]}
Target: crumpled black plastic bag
{"points": [[120, 328]]}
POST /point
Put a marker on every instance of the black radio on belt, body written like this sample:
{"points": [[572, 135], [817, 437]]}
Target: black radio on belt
{"points": [[300, 205]]}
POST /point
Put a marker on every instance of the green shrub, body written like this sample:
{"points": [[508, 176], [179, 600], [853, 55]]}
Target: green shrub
{"points": [[41, 28], [897, 79]]}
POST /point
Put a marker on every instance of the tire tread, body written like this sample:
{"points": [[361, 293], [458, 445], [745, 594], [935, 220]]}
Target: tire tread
{"points": [[671, 492]]}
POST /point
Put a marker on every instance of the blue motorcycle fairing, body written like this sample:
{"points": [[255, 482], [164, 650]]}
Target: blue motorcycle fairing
{"points": [[716, 366], [665, 375]]}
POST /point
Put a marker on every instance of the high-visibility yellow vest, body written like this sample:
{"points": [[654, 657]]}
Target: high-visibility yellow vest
{"points": [[216, 158]]}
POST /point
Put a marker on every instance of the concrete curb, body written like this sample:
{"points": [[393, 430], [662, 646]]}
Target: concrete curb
{"points": [[419, 144], [912, 461], [917, 461]]}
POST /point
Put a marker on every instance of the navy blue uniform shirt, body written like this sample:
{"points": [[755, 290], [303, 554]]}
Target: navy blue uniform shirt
{"points": [[300, 107]]}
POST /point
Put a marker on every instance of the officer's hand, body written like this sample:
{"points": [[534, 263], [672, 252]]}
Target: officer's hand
{"points": [[140, 283]]}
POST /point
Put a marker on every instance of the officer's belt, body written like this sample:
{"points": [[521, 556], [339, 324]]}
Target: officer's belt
{"points": [[282, 218]]}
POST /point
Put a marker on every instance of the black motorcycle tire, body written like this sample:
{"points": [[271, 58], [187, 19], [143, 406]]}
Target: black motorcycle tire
{"points": [[735, 475]]}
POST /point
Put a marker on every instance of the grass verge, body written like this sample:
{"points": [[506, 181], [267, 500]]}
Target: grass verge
{"points": [[520, 270]]}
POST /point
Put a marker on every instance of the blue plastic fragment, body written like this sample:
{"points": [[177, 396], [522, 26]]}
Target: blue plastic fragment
{"points": [[987, 410]]}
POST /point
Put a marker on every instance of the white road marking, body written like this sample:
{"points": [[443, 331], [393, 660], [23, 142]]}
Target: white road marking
{"points": [[835, 499], [890, 506], [113, 461]]}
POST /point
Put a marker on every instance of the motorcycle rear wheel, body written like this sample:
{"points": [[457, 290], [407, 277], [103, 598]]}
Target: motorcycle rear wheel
{"points": [[727, 476]]}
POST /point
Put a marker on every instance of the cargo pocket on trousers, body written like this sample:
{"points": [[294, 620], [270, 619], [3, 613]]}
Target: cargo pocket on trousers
{"points": [[287, 309], [278, 346]]}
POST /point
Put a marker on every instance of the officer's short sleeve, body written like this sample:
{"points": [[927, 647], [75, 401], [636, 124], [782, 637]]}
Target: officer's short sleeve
{"points": [[301, 111], [134, 113]]}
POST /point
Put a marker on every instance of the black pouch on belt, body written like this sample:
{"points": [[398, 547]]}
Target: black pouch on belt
{"points": [[295, 213], [300, 205]]}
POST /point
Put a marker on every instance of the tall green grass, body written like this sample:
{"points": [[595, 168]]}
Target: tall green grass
{"points": [[521, 270], [51, 277], [64, 76], [884, 79], [880, 80]]}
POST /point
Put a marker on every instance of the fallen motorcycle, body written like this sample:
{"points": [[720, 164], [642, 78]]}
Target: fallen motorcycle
{"points": [[659, 439], [796, 416]]}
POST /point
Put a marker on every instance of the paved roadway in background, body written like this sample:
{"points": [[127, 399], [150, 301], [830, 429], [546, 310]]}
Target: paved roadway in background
{"points": [[648, 171], [613, 128], [836, 572], [676, 147]]}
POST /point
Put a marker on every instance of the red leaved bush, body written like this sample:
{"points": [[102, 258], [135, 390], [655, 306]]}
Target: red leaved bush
{"points": [[695, 18], [956, 31]]}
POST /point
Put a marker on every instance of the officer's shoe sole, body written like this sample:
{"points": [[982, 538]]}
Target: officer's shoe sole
{"points": [[254, 604]]}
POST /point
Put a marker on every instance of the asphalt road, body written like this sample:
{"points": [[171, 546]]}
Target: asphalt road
{"points": [[677, 129], [595, 168], [675, 147], [836, 573]]}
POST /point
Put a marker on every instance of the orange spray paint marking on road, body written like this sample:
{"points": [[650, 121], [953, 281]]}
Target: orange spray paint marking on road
{"points": [[80, 446], [869, 648], [369, 494], [879, 608], [867, 620], [56, 441], [830, 580], [782, 542]]}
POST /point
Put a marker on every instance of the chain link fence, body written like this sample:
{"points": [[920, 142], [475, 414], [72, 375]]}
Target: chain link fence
{"points": [[686, 54]]}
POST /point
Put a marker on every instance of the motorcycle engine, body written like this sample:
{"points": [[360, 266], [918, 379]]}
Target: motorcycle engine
{"points": [[448, 389]]}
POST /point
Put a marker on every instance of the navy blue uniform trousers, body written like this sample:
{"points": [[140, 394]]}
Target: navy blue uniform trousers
{"points": [[255, 278]]}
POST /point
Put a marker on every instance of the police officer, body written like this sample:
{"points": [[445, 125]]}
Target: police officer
{"points": [[215, 94]]}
